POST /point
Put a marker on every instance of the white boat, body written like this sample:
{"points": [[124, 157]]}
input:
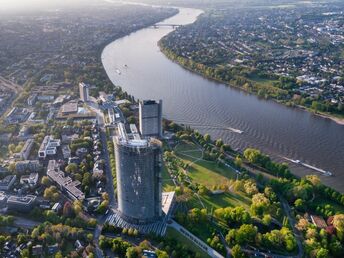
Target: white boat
{"points": [[118, 71], [323, 172]]}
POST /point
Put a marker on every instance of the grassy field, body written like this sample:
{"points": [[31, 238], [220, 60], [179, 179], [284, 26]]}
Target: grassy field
{"points": [[263, 81], [202, 171], [172, 233], [220, 201]]}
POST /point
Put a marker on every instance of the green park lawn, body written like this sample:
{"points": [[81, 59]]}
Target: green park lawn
{"points": [[215, 201], [201, 171], [210, 174], [172, 233]]}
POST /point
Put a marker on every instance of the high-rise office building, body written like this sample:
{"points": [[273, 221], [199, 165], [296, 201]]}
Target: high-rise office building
{"points": [[138, 169], [84, 91], [151, 118]]}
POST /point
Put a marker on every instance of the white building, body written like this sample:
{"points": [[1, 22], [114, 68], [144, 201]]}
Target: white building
{"points": [[48, 146]]}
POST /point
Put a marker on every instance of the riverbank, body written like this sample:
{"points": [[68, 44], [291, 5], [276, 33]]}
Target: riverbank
{"points": [[185, 64]]}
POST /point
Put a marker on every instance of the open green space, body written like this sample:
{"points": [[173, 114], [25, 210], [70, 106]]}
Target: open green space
{"points": [[261, 80], [215, 201], [201, 171], [172, 233], [189, 149]]}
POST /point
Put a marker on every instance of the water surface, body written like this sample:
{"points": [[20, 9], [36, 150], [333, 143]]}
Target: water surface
{"points": [[218, 109]]}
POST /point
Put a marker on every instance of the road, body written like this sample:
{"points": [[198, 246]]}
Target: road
{"points": [[97, 232], [109, 179], [292, 223]]}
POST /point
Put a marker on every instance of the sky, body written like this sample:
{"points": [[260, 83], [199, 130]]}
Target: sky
{"points": [[38, 4]]}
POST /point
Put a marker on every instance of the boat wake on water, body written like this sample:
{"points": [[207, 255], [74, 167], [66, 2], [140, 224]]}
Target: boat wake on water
{"points": [[321, 171], [234, 130]]}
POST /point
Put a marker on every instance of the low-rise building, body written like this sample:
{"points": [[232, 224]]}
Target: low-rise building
{"points": [[26, 150], [37, 250], [28, 166], [17, 115], [21, 203], [48, 146], [318, 221], [5, 137], [24, 132], [3, 199], [65, 183], [7, 183], [66, 152], [57, 207], [30, 180]]}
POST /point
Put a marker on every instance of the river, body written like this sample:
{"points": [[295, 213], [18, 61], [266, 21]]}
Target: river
{"points": [[223, 111]]}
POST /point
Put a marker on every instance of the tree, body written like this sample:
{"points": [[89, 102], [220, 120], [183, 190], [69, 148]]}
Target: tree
{"points": [[51, 193], [58, 255], [238, 161], [260, 204], [267, 219], [338, 223], [299, 204], [72, 168], [207, 138], [314, 179], [162, 254], [322, 253], [252, 155], [77, 207], [237, 252], [45, 181], [67, 210], [131, 253], [250, 187], [246, 234], [25, 253], [219, 143]]}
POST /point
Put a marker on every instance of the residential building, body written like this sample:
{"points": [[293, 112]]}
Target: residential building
{"points": [[150, 118], [28, 166], [48, 146], [66, 152], [30, 180], [24, 132], [7, 182], [26, 150], [65, 183], [17, 115], [138, 169]]}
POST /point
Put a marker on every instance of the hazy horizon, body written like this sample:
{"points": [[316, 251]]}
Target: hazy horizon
{"points": [[21, 5]]}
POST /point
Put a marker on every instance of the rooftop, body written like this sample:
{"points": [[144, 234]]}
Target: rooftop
{"points": [[70, 107], [21, 199], [66, 182], [167, 201]]}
